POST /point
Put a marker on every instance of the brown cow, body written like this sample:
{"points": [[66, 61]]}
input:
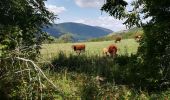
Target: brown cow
{"points": [[118, 39], [138, 38], [78, 48], [112, 49]]}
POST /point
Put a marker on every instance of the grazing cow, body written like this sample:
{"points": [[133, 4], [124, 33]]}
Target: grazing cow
{"points": [[105, 51], [118, 39], [78, 48], [138, 38], [112, 49]]}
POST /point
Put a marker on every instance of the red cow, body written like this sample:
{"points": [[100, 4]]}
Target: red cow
{"points": [[112, 49], [78, 48], [118, 39]]}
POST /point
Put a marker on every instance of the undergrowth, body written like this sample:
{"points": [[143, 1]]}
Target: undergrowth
{"points": [[102, 78]]}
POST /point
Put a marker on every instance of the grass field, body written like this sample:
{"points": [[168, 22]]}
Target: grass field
{"points": [[92, 76], [92, 48], [76, 76]]}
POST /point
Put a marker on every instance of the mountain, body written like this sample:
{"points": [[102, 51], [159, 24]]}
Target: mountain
{"points": [[105, 29], [79, 31]]}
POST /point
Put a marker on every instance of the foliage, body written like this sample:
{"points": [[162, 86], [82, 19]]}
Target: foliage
{"points": [[49, 40], [153, 48], [21, 78], [21, 22], [20, 40], [121, 70], [89, 91], [77, 74], [121, 80], [68, 37]]}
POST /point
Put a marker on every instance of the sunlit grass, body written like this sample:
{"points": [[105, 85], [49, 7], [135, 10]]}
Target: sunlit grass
{"points": [[92, 48], [75, 76]]}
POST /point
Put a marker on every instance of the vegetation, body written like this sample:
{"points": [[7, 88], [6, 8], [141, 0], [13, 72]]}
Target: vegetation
{"points": [[20, 40], [78, 30], [128, 34], [139, 71], [156, 41], [49, 51], [69, 37], [21, 23], [81, 76]]}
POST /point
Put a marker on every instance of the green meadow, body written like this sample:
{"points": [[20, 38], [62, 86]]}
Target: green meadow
{"points": [[126, 46], [92, 76]]}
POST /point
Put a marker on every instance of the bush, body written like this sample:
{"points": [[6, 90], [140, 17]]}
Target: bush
{"points": [[21, 79], [89, 91]]}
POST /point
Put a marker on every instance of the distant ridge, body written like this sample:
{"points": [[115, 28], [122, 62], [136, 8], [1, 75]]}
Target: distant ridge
{"points": [[125, 34], [79, 31]]}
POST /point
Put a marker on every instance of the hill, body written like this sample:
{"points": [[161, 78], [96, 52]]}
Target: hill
{"points": [[130, 33], [127, 34], [79, 31]]}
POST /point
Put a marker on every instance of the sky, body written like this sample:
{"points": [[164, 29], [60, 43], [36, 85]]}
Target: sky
{"points": [[84, 11]]}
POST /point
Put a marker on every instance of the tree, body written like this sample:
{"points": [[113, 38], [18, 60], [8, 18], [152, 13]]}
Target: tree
{"points": [[20, 40], [21, 23], [68, 37], [155, 45]]}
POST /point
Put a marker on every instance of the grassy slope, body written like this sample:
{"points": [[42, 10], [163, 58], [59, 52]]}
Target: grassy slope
{"points": [[129, 33], [124, 34], [92, 48]]}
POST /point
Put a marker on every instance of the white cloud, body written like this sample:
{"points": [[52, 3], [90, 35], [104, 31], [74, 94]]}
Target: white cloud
{"points": [[89, 3], [56, 10], [93, 3], [129, 1], [106, 22]]}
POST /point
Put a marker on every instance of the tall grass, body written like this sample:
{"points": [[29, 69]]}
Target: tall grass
{"points": [[77, 76], [92, 76], [116, 70]]}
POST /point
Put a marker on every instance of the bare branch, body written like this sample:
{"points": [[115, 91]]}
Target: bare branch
{"points": [[39, 70]]}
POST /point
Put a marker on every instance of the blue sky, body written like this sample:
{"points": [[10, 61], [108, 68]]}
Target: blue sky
{"points": [[83, 11]]}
